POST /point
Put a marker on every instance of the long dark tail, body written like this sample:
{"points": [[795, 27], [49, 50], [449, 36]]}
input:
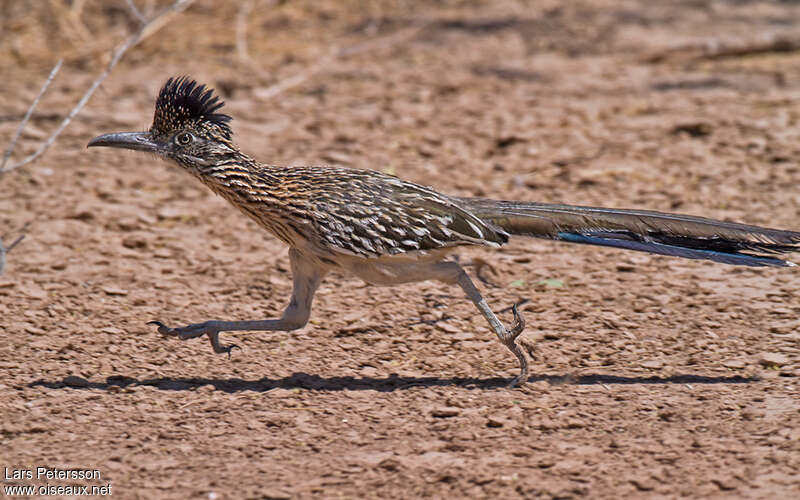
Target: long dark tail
{"points": [[641, 230]]}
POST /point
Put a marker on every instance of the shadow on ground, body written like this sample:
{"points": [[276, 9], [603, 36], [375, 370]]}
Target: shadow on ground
{"points": [[391, 383]]}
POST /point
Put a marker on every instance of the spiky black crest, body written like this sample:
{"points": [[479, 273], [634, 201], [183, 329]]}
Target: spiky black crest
{"points": [[184, 103]]}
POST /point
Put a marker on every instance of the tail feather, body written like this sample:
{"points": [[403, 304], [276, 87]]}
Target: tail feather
{"points": [[641, 230], [733, 258]]}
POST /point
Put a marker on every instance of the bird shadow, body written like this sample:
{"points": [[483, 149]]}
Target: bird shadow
{"points": [[391, 383]]}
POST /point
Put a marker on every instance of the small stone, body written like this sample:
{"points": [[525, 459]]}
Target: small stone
{"points": [[445, 412], [643, 484], [33, 291], [725, 483], [34, 330], [134, 242], [271, 494], [163, 253], [82, 214], [545, 424], [785, 328], [531, 337], [448, 328], [171, 213], [354, 329], [128, 224], [110, 290], [569, 465], [494, 422], [791, 434], [653, 364], [463, 336], [734, 364], [694, 129], [146, 219], [769, 359], [389, 464], [574, 423]]}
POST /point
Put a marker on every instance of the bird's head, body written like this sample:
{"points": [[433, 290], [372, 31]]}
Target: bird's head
{"points": [[186, 127]]}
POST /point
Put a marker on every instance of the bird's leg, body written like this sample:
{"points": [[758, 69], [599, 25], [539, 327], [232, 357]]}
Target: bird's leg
{"points": [[307, 275], [450, 272]]}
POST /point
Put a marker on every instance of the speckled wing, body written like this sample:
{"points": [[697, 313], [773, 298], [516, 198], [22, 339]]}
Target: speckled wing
{"points": [[376, 214]]}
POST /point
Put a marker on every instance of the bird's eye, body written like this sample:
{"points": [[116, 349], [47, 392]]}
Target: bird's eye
{"points": [[184, 138]]}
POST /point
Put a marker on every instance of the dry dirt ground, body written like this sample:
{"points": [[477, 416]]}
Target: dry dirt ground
{"points": [[654, 377]]}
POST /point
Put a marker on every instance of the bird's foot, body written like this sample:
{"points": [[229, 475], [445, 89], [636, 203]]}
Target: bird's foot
{"points": [[509, 339], [519, 322], [184, 332], [518, 381], [195, 330]]}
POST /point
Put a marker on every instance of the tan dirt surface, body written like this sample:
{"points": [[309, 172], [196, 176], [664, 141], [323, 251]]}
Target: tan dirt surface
{"points": [[653, 377]]}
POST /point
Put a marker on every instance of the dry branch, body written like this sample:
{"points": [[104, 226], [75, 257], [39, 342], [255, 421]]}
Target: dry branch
{"points": [[136, 12], [321, 63], [717, 49], [146, 29], [241, 29], [4, 250], [13, 143], [777, 45]]}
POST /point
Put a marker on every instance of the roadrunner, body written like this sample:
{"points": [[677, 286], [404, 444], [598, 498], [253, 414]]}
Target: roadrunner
{"points": [[388, 231]]}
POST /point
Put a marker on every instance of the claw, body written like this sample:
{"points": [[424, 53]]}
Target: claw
{"points": [[230, 348], [514, 332], [518, 381], [194, 331], [519, 322], [162, 328]]}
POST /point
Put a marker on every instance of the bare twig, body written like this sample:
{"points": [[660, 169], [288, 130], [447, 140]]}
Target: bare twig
{"points": [[162, 19], [144, 31], [722, 49], [13, 143], [296, 79], [136, 12], [4, 250], [241, 29], [395, 38], [376, 43], [11, 246], [776, 45], [74, 17]]}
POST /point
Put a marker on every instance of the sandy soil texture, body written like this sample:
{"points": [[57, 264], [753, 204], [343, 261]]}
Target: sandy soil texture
{"points": [[653, 377]]}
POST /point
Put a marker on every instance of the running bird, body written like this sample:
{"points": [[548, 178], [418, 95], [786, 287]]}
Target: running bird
{"points": [[388, 231]]}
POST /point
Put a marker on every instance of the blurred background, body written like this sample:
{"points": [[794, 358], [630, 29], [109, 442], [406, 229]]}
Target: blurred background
{"points": [[685, 106], [532, 90]]}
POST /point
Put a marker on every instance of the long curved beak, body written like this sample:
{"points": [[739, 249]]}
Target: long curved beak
{"points": [[139, 141]]}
